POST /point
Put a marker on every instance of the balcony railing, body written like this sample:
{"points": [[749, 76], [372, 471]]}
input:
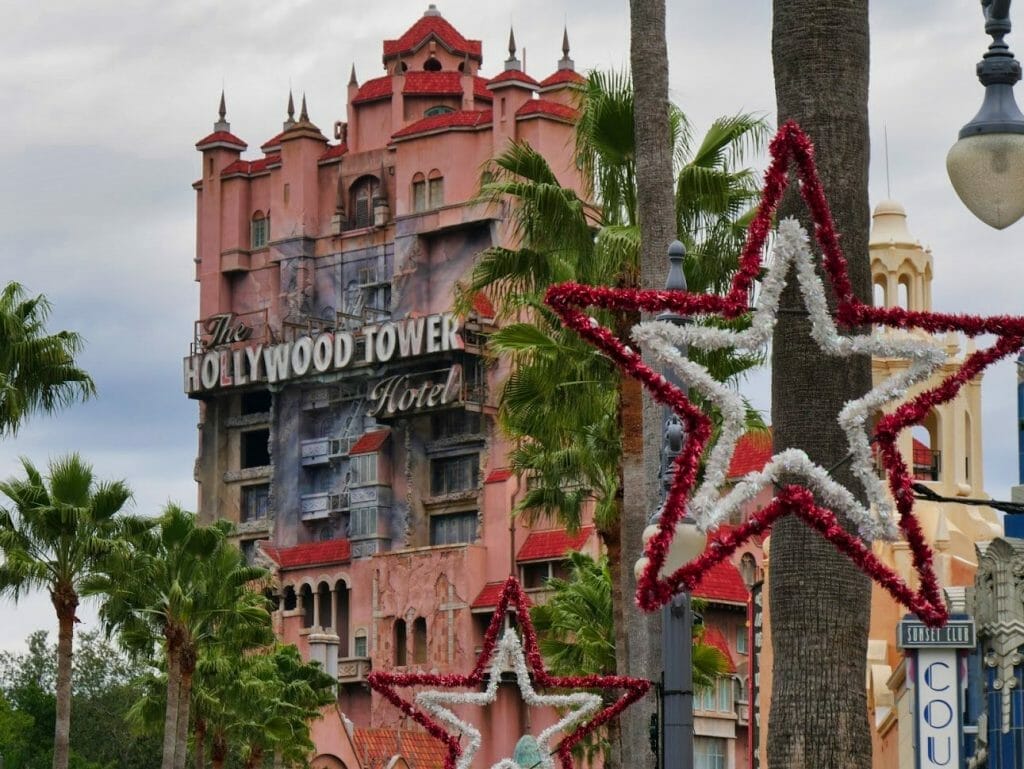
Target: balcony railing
{"points": [[353, 670], [231, 329], [927, 465]]}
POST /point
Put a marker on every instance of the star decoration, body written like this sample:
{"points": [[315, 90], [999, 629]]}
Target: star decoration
{"points": [[791, 145], [585, 712], [707, 506]]}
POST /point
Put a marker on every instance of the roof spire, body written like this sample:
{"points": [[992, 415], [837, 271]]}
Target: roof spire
{"points": [[432, 11], [222, 124], [565, 62], [512, 62], [303, 115], [352, 78], [290, 120]]}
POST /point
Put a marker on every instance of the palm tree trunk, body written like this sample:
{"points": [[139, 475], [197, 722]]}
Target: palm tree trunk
{"points": [[641, 417], [613, 547], [184, 703], [819, 602], [200, 744], [171, 712], [66, 602], [218, 751]]}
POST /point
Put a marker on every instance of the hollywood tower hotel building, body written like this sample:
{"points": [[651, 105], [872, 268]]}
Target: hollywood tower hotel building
{"points": [[346, 414]]}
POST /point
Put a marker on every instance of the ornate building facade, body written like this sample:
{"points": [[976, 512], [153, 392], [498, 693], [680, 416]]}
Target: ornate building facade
{"points": [[346, 412]]}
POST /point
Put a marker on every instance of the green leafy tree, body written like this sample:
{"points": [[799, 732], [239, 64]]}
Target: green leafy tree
{"points": [[105, 686], [54, 536], [575, 631], [179, 589], [572, 418], [38, 371]]}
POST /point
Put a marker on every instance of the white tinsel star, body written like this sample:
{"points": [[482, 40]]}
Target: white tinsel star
{"points": [[707, 506], [580, 704]]}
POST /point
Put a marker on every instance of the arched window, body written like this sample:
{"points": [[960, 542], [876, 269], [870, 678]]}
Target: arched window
{"points": [[419, 641], [400, 643], [439, 109], [435, 189], [362, 193], [748, 569], [259, 230], [419, 192], [927, 449], [904, 294], [880, 299], [306, 594], [323, 591], [432, 64], [290, 599], [341, 612]]}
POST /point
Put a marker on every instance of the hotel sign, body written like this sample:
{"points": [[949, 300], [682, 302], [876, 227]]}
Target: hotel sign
{"points": [[955, 634], [323, 353]]}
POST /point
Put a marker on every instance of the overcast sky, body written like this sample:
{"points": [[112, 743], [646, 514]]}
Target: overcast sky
{"points": [[104, 101]]}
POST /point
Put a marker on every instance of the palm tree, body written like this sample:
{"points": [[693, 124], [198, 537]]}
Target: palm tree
{"points": [[182, 587], [37, 370], [819, 710], [55, 535], [575, 630], [565, 407]]}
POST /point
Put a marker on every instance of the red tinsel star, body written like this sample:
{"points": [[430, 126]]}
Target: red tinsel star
{"points": [[511, 596], [789, 146]]}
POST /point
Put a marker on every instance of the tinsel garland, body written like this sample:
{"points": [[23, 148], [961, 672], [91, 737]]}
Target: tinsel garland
{"points": [[530, 672], [789, 147]]}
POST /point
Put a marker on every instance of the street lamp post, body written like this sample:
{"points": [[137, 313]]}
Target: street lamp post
{"points": [[986, 165], [677, 618]]}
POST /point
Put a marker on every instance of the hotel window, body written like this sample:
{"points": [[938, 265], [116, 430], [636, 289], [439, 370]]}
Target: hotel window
{"points": [[400, 643], [452, 422], [453, 528], [449, 475], [724, 689], [741, 639], [359, 649], [364, 469], [259, 232], [708, 753], [364, 190], [419, 640], [534, 576], [362, 522], [255, 449], [419, 192], [255, 502], [435, 189]]}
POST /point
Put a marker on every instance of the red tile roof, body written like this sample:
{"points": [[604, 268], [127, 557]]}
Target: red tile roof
{"points": [[482, 305], [752, 453], [370, 442], [464, 119], [376, 747], [272, 143], [713, 637], [497, 476], [309, 554], [377, 88], [553, 543], [250, 167], [513, 76], [422, 84], [562, 77], [722, 583], [489, 596], [438, 28], [221, 137], [334, 151], [545, 107], [432, 83]]}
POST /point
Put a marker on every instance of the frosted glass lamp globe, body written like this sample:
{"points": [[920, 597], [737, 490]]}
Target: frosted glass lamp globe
{"points": [[987, 172], [688, 543]]}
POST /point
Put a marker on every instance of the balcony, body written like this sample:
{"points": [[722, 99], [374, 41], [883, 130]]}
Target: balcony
{"points": [[927, 464], [353, 670], [316, 451], [321, 505]]}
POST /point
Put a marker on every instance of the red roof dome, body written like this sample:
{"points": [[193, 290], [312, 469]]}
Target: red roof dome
{"points": [[432, 25]]}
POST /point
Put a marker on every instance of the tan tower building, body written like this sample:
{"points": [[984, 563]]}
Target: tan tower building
{"points": [[945, 454]]}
